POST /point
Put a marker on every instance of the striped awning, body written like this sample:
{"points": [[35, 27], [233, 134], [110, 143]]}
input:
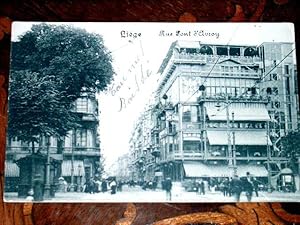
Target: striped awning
{"points": [[66, 168], [246, 137], [11, 169], [197, 169], [242, 112]]}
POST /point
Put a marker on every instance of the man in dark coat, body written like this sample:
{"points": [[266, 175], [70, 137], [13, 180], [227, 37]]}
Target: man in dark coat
{"points": [[168, 188], [248, 187], [236, 187]]}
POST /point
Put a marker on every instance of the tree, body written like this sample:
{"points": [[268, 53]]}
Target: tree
{"points": [[291, 146], [50, 67], [36, 108]]}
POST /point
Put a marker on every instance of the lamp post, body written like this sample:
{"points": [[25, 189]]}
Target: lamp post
{"points": [[47, 177], [72, 160], [79, 174]]}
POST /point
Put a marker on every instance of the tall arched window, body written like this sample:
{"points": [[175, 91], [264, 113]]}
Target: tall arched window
{"points": [[206, 50], [250, 52]]}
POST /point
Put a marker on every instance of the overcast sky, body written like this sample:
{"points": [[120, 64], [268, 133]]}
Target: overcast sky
{"points": [[133, 57]]}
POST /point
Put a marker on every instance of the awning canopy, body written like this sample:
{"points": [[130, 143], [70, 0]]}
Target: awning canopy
{"points": [[242, 111], [197, 169], [66, 168], [246, 137], [191, 138], [11, 169]]}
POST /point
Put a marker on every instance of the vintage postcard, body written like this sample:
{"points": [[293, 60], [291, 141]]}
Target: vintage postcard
{"points": [[152, 112]]}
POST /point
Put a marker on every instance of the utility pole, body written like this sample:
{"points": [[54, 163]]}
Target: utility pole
{"points": [[228, 133], [268, 159], [233, 147]]}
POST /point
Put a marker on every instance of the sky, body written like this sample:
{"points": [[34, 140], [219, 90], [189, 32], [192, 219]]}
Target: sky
{"points": [[138, 49]]}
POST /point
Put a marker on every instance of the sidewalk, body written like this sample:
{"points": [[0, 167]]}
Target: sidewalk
{"points": [[137, 194]]}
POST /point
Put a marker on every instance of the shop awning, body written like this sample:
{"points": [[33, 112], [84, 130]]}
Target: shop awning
{"points": [[191, 138], [255, 170], [11, 169], [197, 169], [247, 137], [242, 111], [66, 168]]}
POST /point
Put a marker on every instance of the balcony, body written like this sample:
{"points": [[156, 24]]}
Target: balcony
{"points": [[188, 156], [85, 151], [191, 127], [20, 152], [204, 59], [88, 117], [245, 98]]}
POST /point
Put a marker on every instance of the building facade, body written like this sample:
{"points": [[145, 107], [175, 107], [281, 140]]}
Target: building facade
{"points": [[214, 113], [77, 154]]}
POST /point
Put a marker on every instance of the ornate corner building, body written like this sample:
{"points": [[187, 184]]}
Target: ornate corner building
{"points": [[219, 110], [77, 155]]}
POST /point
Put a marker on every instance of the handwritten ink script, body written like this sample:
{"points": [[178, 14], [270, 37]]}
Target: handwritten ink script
{"points": [[130, 83]]}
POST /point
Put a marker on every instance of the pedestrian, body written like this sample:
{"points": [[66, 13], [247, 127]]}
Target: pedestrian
{"points": [[168, 188], [113, 186], [202, 188], [226, 187], [198, 187], [97, 185], [255, 185], [248, 187], [119, 186], [236, 187], [104, 186], [91, 185], [30, 195]]}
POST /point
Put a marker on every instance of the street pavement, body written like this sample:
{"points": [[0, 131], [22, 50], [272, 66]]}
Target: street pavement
{"points": [[137, 194]]}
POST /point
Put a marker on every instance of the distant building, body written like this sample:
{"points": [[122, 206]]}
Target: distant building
{"points": [[78, 152], [123, 168], [212, 117]]}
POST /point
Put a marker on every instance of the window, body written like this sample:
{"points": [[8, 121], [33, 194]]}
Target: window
{"points": [[191, 146], [274, 76], [81, 138], [250, 52], [170, 147], [186, 117], [206, 50], [277, 104], [234, 51], [222, 51], [286, 69], [82, 105], [194, 114]]}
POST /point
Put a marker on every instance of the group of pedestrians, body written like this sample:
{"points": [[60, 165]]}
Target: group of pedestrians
{"points": [[95, 186], [248, 185]]}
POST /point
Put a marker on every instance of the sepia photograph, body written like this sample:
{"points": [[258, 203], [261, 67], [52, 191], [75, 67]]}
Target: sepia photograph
{"points": [[152, 112]]}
